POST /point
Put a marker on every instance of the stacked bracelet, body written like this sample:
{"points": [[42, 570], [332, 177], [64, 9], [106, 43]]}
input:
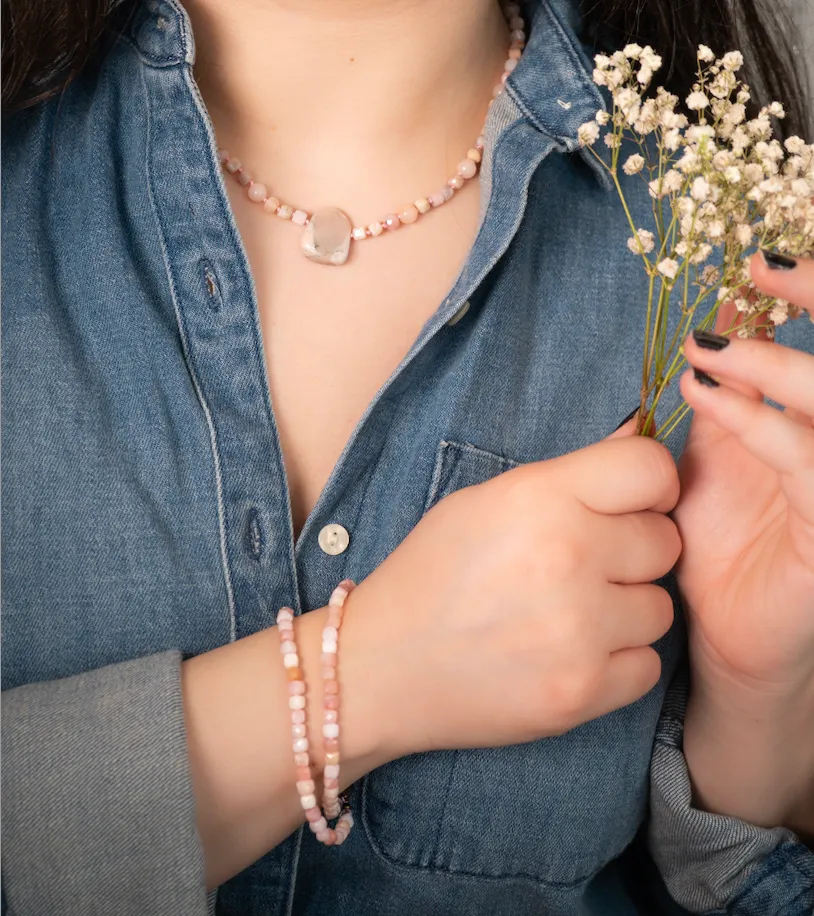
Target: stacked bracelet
{"points": [[332, 806]]}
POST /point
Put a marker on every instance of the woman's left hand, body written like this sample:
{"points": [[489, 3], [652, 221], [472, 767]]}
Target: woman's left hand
{"points": [[746, 513]]}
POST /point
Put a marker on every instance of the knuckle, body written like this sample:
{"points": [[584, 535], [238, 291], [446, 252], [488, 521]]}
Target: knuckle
{"points": [[560, 558], [650, 670], [573, 692], [663, 609]]}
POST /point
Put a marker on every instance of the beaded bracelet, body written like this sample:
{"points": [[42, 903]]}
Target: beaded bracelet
{"points": [[306, 786]]}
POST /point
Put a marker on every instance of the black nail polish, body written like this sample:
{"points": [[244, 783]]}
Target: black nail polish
{"points": [[705, 378], [777, 261], [629, 417], [710, 341]]}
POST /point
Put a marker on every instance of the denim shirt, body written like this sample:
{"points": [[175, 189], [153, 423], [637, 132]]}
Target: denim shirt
{"points": [[147, 516]]}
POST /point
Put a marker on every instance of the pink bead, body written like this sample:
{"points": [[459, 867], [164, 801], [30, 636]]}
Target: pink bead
{"points": [[232, 165], [334, 617], [288, 645], [330, 687], [331, 702], [331, 745], [456, 182], [301, 759], [313, 815], [298, 731], [244, 177], [517, 35], [498, 90], [318, 826], [505, 76], [437, 199], [270, 205], [257, 192], [391, 221], [300, 745], [331, 758], [510, 64], [448, 192], [285, 613], [328, 659], [302, 773], [223, 155], [375, 229], [330, 634], [408, 214], [297, 716], [515, 54], [516, 22], [300, 217], [331, 771], [306, 786], [328, 837], [296, 687], [330, 783], [330, 715]]}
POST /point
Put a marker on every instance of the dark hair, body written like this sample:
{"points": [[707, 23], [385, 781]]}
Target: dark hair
{"points": [[46, 44]]}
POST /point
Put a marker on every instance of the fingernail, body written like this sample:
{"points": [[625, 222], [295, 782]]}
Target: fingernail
{"points": [[710, 341], [629, 417], [775, 261], [705, 378]]}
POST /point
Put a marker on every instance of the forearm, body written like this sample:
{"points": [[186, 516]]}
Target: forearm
{"points": [[239, 734], [751, 755]]}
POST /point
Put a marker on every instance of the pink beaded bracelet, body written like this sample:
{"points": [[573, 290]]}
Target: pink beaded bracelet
{"points": [[306, 786]]}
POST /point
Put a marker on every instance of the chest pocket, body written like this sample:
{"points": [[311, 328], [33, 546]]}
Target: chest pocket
{"points": [[553, 811]]}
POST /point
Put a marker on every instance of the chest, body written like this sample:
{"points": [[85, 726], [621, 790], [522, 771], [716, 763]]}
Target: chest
{"points": [[332, 336]]}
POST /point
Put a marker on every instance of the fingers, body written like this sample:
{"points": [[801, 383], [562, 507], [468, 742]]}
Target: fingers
{"points": [[628, 474], [639, 547], [629, 675], [638, 615], [792, 280], [781, 373], [779, 441]]}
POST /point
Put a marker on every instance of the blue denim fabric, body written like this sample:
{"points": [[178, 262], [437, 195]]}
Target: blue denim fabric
{"points": [[146, 503]]}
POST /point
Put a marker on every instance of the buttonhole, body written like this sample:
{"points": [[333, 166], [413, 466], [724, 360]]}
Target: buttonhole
{"points": [[211, 284]]}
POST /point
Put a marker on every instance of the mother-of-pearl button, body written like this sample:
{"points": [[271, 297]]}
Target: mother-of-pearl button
{"points": [[334, 539], [459, 314]]}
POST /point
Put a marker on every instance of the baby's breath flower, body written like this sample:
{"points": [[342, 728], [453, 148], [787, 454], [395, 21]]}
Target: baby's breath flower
{"points": [[732, 61], [700, 188], [697, 101], [588, 133], [668, 268], [710, 275], [705, 54], [649, 58], [795, 145], [744, 233], [641, 243], [632, 51], [633, 165], [602, 117], [777, 110]]}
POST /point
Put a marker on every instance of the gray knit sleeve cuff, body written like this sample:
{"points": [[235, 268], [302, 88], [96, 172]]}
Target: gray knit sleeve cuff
{"points": [[713, 864], [98, 808]]}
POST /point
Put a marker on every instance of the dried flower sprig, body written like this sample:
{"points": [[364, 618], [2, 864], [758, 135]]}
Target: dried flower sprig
{"points": [[720, 187]]}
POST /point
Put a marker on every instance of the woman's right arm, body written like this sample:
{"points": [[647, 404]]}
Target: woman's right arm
{"points": [[515, 609]]}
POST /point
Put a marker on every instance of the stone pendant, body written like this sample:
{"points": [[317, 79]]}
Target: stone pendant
{"points": [[326, 238]]}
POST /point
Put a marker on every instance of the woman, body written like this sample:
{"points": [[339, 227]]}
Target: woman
{"points": [[439, 405]]}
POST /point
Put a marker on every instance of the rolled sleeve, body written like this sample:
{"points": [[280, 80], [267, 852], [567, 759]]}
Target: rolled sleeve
{"points": [[98, 807], [711, 863]]}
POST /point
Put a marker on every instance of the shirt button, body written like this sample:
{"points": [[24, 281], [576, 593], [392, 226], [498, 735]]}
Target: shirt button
{"points": [[459, 314], [334, 539]]}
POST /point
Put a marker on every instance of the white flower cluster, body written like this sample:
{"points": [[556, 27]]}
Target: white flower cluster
{"points": [[720, 186]]}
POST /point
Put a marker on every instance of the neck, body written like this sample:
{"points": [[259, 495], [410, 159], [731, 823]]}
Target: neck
{"points": [[315, 95]]}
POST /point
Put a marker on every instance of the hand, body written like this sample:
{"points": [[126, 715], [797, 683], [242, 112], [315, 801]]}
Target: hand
{"points": [[523, 607], [746, 513]]}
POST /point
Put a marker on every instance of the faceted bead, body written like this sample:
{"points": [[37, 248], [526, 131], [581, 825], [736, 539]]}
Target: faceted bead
{"points": [[291, 660], [422, 205], [517, 35], [515, 54], [328, 648], [330, 633], [306, 787], [284, 211], [244, 177], [376, 229], [329, 687], [331, 702], [330, 715], [270, 205], [296, 703], [326, 239], [437, 199], [318, 826], [298, 731], [288, 645], [297, 716], [510, 64], [327, 837], [308, 801], [233, 165], [313, 815], [359, 233], [447, 193], [301, 759], [330, 730], [516, 22], [331, 758], [257, 192], [285, 614], [303, 773], [329, 674], [331, 771], [456, 182], [408, 214], [296, 687], [300, 745], [330, 783], [295, 674], [475, 155], [223, 155], [300, 217], [330, 745]]}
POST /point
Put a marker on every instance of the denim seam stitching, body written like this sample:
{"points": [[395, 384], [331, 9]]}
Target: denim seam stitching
{"points": [[193, 374]]}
